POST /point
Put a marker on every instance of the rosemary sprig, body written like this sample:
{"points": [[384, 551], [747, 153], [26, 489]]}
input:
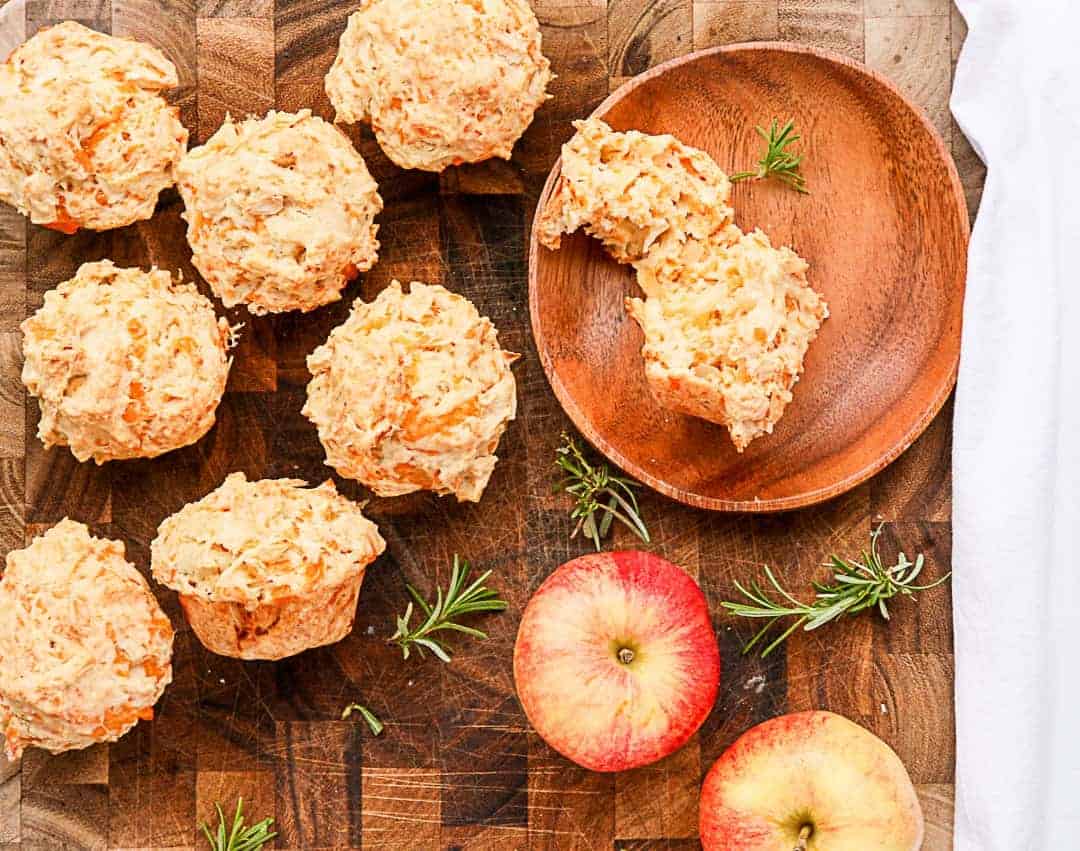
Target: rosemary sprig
{"points": [[597, 491], [856, 586], [460, 599], [778, 162], [241, 837], [372, 720]]}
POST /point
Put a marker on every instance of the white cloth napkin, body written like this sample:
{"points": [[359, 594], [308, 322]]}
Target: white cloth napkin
{"points": [[1016, 452]]}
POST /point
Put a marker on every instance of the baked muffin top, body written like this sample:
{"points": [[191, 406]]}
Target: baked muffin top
{"points": [[280, 212], [86, 140], [256, 542], [125, 363], [412, 392], [85, 650], [441, 82]]}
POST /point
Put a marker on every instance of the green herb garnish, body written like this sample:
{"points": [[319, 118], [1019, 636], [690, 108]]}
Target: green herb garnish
{"points": [[597, 491], [372, 720], [856, 587], [241, 837], [777, 162], [459, 600]]}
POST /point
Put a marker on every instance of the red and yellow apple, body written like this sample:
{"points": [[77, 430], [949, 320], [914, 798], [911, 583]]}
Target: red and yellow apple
{"points": [[616, 662], [810, 781]]}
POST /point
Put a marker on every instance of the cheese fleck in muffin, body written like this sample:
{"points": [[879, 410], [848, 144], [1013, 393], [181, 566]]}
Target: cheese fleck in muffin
{"points": [[413, 392], [280, 212], [267, 569], [85, 650], [441, 82], [642, 196], [125, 363], [727, 342], [86, 140]]}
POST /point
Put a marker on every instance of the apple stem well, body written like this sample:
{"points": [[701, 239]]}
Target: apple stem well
{"points": [[626, 655], [804, 834]]}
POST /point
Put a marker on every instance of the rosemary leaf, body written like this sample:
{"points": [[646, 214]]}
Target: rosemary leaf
{"points": [[240, 837], [457, 601], [856, 586], [777, 162], [601, 497], [372, 720]]}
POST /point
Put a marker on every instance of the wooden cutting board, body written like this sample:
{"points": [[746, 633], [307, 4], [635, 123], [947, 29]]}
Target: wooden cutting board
{"points": [[457, 766]]}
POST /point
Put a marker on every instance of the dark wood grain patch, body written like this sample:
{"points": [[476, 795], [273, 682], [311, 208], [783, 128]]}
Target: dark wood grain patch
{"points": [[660, 799], [644, 33], [569, 807], [316, 772], [734, 20], [831, 24], [174, 35], [307, 40], [96, 14], [400, 800], [235, 8], [12, 268], [70, 815], [235, 71], [918, 485]]}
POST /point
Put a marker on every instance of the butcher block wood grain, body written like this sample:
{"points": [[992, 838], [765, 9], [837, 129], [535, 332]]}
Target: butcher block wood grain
{"points": [[457, 767]]}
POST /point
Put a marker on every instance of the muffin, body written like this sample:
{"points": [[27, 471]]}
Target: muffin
{"points": [[442, 82], [85, 650], [280, 212], [642, 196], [727, 343], [412, 392], [125, 363], [267, 569], [86, 140]]}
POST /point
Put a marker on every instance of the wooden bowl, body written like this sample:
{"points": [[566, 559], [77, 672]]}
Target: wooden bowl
{"points": [[885, 232]]}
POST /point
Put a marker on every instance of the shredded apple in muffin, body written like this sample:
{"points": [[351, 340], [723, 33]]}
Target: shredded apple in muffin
{"points": [[728, 344], [85, 650], [412, 393], [442, 82], [280, 212], [125, 363], [727, 318], [640, 195], [86, 140]]}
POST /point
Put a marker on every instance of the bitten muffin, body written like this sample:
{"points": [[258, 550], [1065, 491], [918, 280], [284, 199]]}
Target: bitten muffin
{"points": [[86, 140], [642, 196], [412, 392], [85, 650], [267, 569], [125, 363], [727, 343], [280, 212], [442, 82]]}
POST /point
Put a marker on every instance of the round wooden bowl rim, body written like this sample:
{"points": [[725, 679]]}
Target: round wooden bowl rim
{"points": [[578, 417]]}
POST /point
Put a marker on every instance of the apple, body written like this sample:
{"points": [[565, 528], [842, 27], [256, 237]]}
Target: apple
{"points": [[810, 781], [616, 663]]}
